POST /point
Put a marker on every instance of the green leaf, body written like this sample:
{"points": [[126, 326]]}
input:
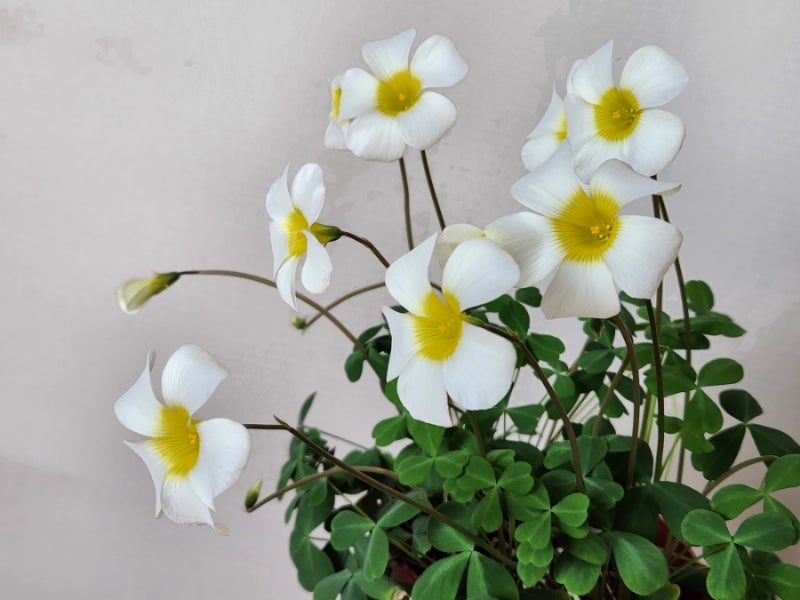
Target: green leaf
{"points": [[488, 514], [705, 528], [672, 424], [390, 430], [604, 493], [311, 512], [726, 579], [441, 580], [675, 501], [564, 387], [771, 441], [529, 295], [445, 538], [541, 557], [591, 451], [591, 549], [675, 381], [784, 580], [354, 365], [312, 564], [572, 510], [414, 469], [450, 464], [783, 473], [768, 532], [526, 418], [530, 574], [559, 453], [426, 436], [399, 512], [714, 324], [596, 361], [740, 405], [535, 531], [528, 505], [637, 512], [720, 371], [699, 296], [771, 505], [329, 587], [378, 361], [515, 316], [352, 591], [731, 500], [702, 414], [477, 475], [517, 478], [546, 348], [347, 528], [381, 587], [487, 578], [579, 577], [301, 418], [377, 555], [671, 591], [727, 444], [419, 535], [641, 564]]}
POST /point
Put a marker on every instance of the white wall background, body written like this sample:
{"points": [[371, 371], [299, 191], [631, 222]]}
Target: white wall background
{"points": [[141, 136]]}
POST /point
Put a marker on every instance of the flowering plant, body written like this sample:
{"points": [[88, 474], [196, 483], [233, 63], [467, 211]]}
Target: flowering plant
{"points": [[489, 494]]}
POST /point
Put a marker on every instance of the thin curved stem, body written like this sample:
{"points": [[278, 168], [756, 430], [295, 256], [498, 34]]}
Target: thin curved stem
{"points": [[607, 397], [406, 204], [735, 469], [338, 301], [637, 400], [367, 244], [431, 189], [654, 332], [268, 282]]}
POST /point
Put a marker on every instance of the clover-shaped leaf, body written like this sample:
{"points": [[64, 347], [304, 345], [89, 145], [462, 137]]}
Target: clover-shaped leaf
{"points": [[783, 473], [768, 532], [517, 478], [731, 500], [572, 510], [704, 528]]}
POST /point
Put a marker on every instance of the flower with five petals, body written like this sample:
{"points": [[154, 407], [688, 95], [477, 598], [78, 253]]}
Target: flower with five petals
{"points": [[436, 351], [190, 461], [394, 106]]}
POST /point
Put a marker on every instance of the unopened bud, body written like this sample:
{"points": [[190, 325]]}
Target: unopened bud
{"points": [[252, 495], [325, 233], [133, 294], [299, 322]]}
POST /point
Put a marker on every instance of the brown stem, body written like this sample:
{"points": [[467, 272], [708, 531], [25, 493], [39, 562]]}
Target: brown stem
{"points": [[659, 389], [637, 400], [432, 190], [611, 387], [367, 244], [338, 301], [735, 469], [406, 204]]}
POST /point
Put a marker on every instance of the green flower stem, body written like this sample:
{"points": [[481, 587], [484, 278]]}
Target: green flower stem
{"points": [[367, 244], [313, 477], [338, 301], [531, 360], [735, 469], [268, 282], [431, 189], [657, 200], [406, 204], [607, 397], [390, 491], [659, 389], [637, 400]]}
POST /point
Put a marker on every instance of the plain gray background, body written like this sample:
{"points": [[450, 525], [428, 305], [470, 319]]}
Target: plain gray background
{"points": [[142, 136]]}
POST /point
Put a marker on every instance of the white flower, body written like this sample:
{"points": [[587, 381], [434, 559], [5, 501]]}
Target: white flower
{"points": [[548, 134], [191, 461], [579, 235], [436, 351], [606, 121], [134, 293], [393, 106], [294, 232], [336, 133]]}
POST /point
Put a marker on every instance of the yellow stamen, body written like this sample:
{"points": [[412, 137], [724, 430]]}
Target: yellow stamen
{"points": [[398, 93], [438, 327], [587, 226], [336, 101], [617, 114], [561, 132], [177, 442], [295, 224]]}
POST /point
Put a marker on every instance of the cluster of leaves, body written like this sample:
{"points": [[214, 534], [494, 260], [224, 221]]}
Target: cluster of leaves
{"points": [[496, 508]]}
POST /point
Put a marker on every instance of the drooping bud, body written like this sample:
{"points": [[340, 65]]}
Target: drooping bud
{"points": [[252, 495], [299, 322], [325, 233], [134, 293]]}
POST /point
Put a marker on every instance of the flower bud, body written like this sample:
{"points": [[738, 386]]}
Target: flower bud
{"points": [[252, 495], [133, 294], [299, 322], [325, 233]]}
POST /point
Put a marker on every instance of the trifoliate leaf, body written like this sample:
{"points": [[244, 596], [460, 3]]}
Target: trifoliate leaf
{"points": [[526, 418], [441, 580], [572, 510], [579, 577], [426, 436], [478, 475], [642, 566], [740, 405], [535, 532], [517, 478], [414, 469], [347, 528], [450, 464]]}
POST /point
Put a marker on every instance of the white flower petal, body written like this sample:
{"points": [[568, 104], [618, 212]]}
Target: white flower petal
{"points": [[581, 126], [437, 63], [569, 86], [181, 503], [190, 377], [528, 238], [479, 271], [581, 290], [137, 409], [224, 448], [279, 240], [642, 252], [407, 277], [336, 134], [538, 149], [451, 237], [551, 119], [375, 136], [592, 76], [386, 57], [316, 274], [653, 76], [308, 191], [655, 142], [594, 153], [621, 183], [421, 390], [479, 372], [279, 202], [285, 280], [427, 121], [401, 326], [156, 467], [548, 188], [359, 93]]}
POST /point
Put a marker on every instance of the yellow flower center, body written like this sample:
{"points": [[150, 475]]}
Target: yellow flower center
{"points": [[177, 442], [617, 114], [438, 328], [295, 224], [398, 93], [561, 132], [336, 101], [586, 227]]}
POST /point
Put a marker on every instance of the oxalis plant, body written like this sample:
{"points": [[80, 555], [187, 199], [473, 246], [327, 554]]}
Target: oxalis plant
{"points": [[473, 490]]}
